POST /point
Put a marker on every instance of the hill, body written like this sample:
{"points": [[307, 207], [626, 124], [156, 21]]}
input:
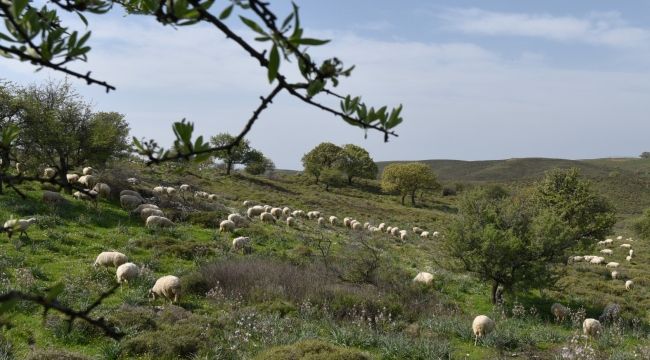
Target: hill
{"points": [[349, 289]]}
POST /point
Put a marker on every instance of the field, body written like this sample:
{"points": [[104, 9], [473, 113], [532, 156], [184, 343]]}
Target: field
{"points": [[307, 289]]}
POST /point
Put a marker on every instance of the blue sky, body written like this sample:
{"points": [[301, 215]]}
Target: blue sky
{"points": [[478, 79]]}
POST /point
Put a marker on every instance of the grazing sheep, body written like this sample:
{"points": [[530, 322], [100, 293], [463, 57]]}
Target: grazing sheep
{"points": [[614, 275], [334, 220], [424, 278], [255, 211], [629, 285], [374, 229], [19, 225], [168, 286], [612, 265], [381, 226], [267, 208], [155, 221], [394, 231], [611, 313], [601, 243], [201, 195], [248, 203], [631, 252], [141, 207], [313, 215], [242, 243], [227, 225], [213, 197], [184, 188], [347, 222], [402, 235], [628, 258], [559, 311], [51, 197], [132, 181], [597, 260], [576, 258], [607, 251], [89, 196], [298, 213], [291, 221], [592, 327], [388, 229], [171, 191], [267, 217], [357, 226], [145, 213], [103, 190], [286, 211], [417, 230], [482, 326], [130, 202], [237, 219], [87, 170], [620, 237], [159, 190], [88, 181], [131, 193], [110, 258], [127, 272], [435, 234], [321, 221], [72, 178], [424, 234], [608, 241], [588, 258], [626, 246], [276, 212], [366, 225], [49, 172]]}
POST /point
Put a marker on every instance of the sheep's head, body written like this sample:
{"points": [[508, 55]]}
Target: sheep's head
{"points": [[152, 294]]}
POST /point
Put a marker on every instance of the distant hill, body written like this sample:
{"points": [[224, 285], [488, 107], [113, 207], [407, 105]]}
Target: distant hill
{"points": [[625, 181]]}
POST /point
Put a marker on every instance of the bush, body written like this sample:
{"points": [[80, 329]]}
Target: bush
{"points": [[55, 354], [312, 350], [448, 191], [642, 225], [183, 339]]}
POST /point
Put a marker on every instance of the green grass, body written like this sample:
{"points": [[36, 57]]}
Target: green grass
{"points": [[388, 319]]}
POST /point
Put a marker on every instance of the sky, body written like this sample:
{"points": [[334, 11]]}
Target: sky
{"points": [[478, 79]]}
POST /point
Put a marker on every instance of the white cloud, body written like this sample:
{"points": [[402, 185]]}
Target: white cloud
{"points": [[596, 28]]}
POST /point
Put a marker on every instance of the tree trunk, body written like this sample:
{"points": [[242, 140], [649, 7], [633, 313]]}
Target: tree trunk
{"points": [[403, 197], [1, 180], [349, 180], [495, 287], [317, 179], [327, 187], [413, 197], [63, 175], [228, 167]]}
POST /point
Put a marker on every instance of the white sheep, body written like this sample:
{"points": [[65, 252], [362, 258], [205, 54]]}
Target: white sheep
{"points": [[607, 251], [394, 231], [559, 311], [597, 260], [254, 211], [388, 229], [88, 181], [130, 202], [213, 197], [49, 172], [201, 195], [184, 188], [628, 258], [88, 196], [608, 241], [366, 225], [227, 225], [145, 213], [577, 258], [298, 213], [132, 181], [435, 234], [381, 226], [629, 285], [159, 190], [87, 170], [482, 326], [424, 234], [248, 203], [51, 197], [242, 243], [620, 237], [171, 191], [286, 211], [237, 219], [347, 222], [423, 277], [276, 212], [110, 258], [267, 217], [18, 225], [155, 221], [72, 178], [313, 215], [321, 221], [334, 220], [626, 246], [614, 275], [417, 230], [168, 286], [612, 265], [631, 252], [402, 235], [591, 327], [267, 208], [291, 221], [104, 190], [357, 226], [588, 258], [127, 272]]}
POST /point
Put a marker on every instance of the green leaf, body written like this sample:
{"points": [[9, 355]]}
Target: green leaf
{"points": [[83, 18], [253, 25], [226, 12], [286, 21], [274, 63], [19, 6], [310, 41], [315, 87]]}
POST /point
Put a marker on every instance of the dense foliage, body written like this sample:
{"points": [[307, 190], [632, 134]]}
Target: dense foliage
{"points": [[408, 178]]}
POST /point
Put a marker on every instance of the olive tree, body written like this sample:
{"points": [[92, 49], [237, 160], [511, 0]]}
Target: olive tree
{"points": [[355, 162], [408, 178], [258, 164], [324, 156]]}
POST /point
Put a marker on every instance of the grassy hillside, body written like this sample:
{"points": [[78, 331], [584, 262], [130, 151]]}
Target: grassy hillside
{"points": [[351, 290]]}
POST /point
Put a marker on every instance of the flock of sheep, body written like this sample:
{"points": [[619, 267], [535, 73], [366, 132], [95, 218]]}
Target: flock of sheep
{"points": [[599, 260]]}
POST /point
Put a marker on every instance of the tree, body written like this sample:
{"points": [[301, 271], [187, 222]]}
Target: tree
{"points": [[507, 241], [331, 177], [60, 130], [239, 154], [8, 129], [564, 192], [645, 155], [323, 156], [408, 178], [39, 36], [355, 161], [258, 164]]}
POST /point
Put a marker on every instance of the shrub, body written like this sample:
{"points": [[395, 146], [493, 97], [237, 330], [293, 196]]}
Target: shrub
{"points": [[55, 354], [448, 191], [312, 350], [642, 225], [183, 339]]}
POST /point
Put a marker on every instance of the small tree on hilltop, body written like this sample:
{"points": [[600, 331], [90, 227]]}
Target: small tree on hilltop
{"points": [[239, 154], [645, 155], [505, 240], [258, 164], [408, 178], [355, 162], [325, 155]]}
